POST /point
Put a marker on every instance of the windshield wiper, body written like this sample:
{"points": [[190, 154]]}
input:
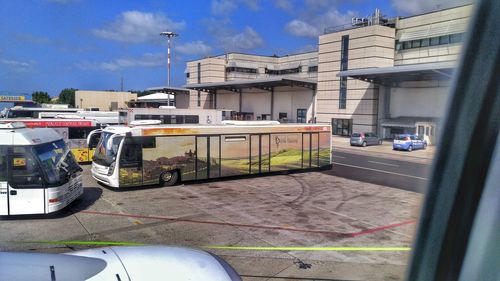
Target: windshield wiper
{"points": [[61, 163]]}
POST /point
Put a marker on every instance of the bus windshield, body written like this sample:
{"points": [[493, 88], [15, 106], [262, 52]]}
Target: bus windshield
{"points": [[56, 160], [107, 149]]}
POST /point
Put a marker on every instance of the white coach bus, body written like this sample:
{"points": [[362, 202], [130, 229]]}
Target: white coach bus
{"points": [[38, 173], [165, 154]]}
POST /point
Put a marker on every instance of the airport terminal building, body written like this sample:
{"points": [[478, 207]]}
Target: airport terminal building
{"points": [[376, 74]]}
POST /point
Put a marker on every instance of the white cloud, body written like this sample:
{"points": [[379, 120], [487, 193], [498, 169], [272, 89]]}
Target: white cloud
{"points": [[193, 48], [146, 60], [421, 6], [17, 66], [301, 28], [313, 26], [222, 7], [284, 5], [246, 40], [138, 27], [225, 7]]}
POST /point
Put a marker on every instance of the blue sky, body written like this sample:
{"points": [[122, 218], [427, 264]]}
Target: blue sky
{"points": [[49, 45]]}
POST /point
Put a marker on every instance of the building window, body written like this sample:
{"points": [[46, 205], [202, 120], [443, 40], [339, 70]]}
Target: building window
{"points": [[199, 99], [187, 74], [313, 68], [241, 69], [433, 41], [301, 115], [199, 75], [283, 71], [283, 117], [445, 39], [342, 127], [344, 58], [456, 38], [425, 42]]}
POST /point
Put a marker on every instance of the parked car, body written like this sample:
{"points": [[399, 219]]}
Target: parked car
{"points": [[364, 139], [408, 142]]}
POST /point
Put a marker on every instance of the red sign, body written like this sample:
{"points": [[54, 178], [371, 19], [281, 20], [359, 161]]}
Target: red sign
{"points": [[37, 124]]}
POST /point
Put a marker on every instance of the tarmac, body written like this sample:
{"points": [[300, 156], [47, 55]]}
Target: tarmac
{"points": [[313, 210]]}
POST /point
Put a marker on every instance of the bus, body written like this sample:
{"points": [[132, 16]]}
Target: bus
{"points": [[165, 154], [103, 117], [38, 173], [172, 115], [34, 112], [73, 131]]}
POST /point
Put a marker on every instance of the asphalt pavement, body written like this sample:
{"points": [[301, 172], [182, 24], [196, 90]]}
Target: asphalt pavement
{"points": [[401, 174]]}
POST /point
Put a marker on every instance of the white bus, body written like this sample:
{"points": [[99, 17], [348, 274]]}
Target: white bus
{"points": [[164, 154], [172, 115], [73, 131], [34, 112], [38, 173]]}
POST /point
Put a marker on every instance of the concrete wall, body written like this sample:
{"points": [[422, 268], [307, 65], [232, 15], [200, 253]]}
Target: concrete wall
{"points": [[418, 102], [371, 46], [102, 99]]}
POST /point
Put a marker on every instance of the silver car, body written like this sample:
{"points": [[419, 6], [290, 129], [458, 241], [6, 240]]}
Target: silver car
{"points": [[364, 139]]}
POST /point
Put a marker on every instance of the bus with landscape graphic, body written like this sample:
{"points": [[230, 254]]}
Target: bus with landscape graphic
{"points": [[38, 173], [73, 131], [166, 154]]}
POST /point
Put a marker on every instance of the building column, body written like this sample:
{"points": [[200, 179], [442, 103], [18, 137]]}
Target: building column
{"points": [[241, 99], [313, 111], [215, 98], [272, 103]]}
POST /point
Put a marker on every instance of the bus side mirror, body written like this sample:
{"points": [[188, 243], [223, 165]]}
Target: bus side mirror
{"points": [[93, 138]]}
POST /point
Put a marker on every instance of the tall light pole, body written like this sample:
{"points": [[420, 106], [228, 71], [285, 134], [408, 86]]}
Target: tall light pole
{"points": [[168, 34]]}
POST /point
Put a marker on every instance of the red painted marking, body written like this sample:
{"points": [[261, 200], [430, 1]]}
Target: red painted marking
{"points": [[381, 228], [354, 234]]}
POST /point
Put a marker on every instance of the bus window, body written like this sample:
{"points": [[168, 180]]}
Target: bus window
{"points": [[25, 172], [79, 132]]}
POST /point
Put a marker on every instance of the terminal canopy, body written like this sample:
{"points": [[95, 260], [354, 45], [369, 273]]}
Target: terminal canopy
{"points": [[265, 84], [391, 76]]}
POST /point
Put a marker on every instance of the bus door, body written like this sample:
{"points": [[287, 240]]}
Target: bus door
{"points": [[202, 165], [25, 191], [310, 150], [130, 172], [259, 153], [3, 181]]}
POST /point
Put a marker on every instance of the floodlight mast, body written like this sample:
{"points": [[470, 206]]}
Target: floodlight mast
{"points": [[168, 34]]}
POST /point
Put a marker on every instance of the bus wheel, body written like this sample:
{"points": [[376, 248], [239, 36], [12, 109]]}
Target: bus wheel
{"points": [[169, 178]]}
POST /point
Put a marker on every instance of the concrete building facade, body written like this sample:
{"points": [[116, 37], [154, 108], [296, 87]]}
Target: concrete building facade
{"points": [[381, 75], [104, 100]]}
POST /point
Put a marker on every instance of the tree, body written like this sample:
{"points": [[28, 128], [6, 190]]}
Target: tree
{"points": [[67, 96], [40, 97]]}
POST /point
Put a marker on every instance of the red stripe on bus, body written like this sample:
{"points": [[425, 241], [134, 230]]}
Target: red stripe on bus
{"points": [[34, 124]]}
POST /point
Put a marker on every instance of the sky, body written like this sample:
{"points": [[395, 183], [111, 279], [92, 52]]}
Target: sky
{"points": [[49, 45]]}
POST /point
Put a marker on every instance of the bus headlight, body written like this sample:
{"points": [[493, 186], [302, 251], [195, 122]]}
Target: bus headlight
{"points": [[111, 168]]}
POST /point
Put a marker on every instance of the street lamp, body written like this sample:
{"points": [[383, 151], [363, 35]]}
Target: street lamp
{"points": [[168, 34]]}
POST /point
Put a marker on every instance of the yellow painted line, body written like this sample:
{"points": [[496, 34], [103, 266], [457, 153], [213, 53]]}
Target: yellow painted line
{"points": [[252, 248]]}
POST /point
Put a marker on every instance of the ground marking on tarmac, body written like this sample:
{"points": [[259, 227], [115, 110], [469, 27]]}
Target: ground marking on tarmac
{"points": [[381, 171], [254, 248], [78, 242], [336, 156], [327, 232], [382, 163]]}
